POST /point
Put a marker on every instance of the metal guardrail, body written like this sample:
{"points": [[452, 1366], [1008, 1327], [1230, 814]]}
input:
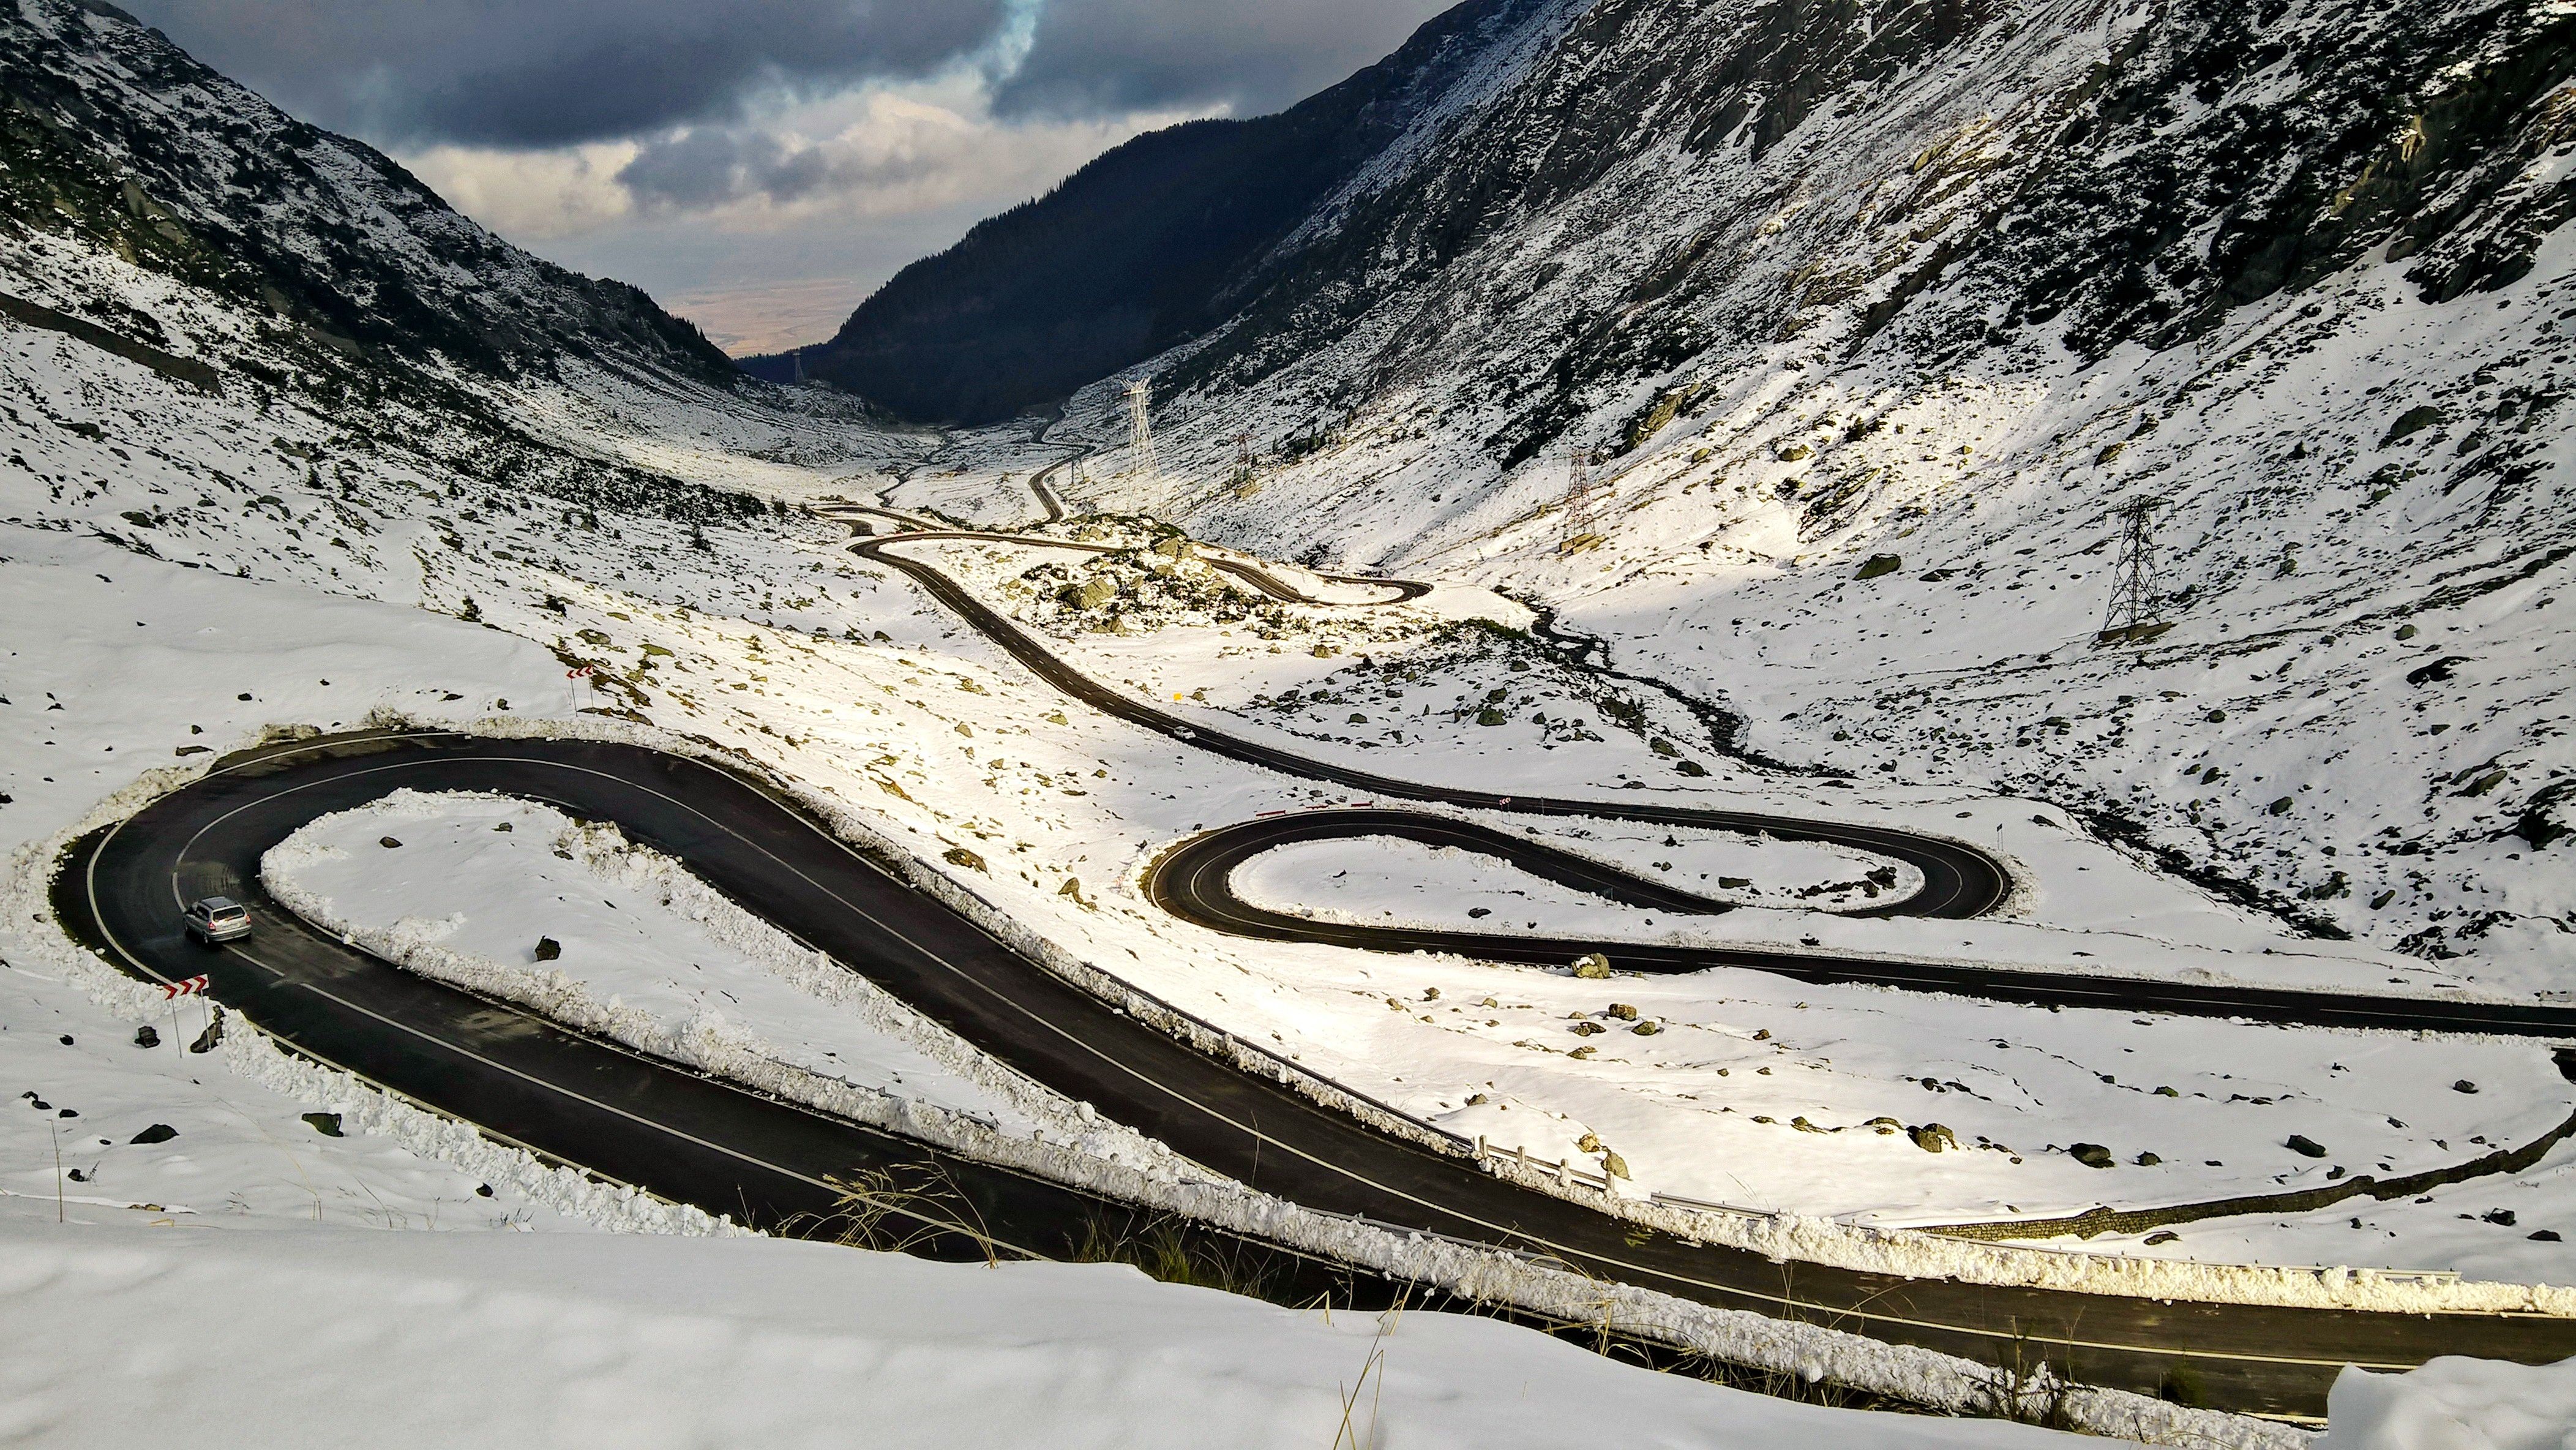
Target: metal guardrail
{"points": [[1565, 1173]]}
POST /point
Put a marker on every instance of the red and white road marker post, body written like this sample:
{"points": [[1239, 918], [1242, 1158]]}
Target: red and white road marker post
{"points": [[171, 992]]}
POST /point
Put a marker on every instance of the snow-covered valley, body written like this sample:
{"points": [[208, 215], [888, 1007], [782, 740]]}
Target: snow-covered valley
{"points": [[2344, 768]]}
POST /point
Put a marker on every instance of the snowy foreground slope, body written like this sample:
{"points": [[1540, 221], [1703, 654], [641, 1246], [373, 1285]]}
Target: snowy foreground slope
{"points": [[541, 1340]]}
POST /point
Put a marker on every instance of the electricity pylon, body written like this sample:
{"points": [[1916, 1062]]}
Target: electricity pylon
{"points": [[1140, 432], [1245, 485], [2131, 618], [1574, 523]]}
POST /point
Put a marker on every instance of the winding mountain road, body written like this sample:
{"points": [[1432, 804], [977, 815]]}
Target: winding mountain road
{"points": [[730, 1150], [733, 1151], [1958, 880]]}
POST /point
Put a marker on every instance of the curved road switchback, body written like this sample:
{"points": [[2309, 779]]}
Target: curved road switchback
{"points": [[1959, 881], [733, 1151]]}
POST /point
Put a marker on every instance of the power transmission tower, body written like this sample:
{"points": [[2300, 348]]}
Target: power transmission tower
{"points": [[2131, 618], [1574, 522], [1244, 486], [1140, 432]]}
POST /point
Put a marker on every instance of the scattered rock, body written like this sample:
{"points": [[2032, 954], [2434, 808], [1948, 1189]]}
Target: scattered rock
{"points": [[548, 949], [2146, 1160], [1646, 1029], [213, 1034], [2436, 673], [2502, 1217], [1623, 1011], [2413, 420], [1933, 1138], [157, 1133], [960, 856], [146, 1037], [2305, 1146], [2464, 1086], [1588, 1143], [1585, 1051], [2545, 1235], [2162, 1236], [1589, 1029], [326, 1124], [1491, 716], [482, 1190], [1878, 565], [1613, 1165], [2092, 1155], [389, 843], [1592, 966]]}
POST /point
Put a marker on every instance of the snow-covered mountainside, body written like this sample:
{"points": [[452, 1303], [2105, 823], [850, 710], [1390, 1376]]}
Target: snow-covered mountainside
{"points": [[1932, 294], [116, 134], [213, 314], [1150, 244]]}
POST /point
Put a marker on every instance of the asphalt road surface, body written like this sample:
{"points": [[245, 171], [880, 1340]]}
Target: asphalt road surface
{"points": [[728, 1150], [1193, 881]]}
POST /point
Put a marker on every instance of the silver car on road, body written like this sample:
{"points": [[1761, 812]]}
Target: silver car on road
{"points": [[218, 919]]}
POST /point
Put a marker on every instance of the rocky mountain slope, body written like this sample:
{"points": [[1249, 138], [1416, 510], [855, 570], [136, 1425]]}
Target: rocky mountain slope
{"points": [[1866, 322], [180, 261], [1145, 247], [113, 132]]}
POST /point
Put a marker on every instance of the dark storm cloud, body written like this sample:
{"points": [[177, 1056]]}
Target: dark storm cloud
{"points": [[1101, 57], [712, 166], [538, 73]]}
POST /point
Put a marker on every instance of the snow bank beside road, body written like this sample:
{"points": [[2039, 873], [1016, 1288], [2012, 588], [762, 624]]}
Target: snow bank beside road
{"points": [[422, 1340], [2455, 1404]]}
